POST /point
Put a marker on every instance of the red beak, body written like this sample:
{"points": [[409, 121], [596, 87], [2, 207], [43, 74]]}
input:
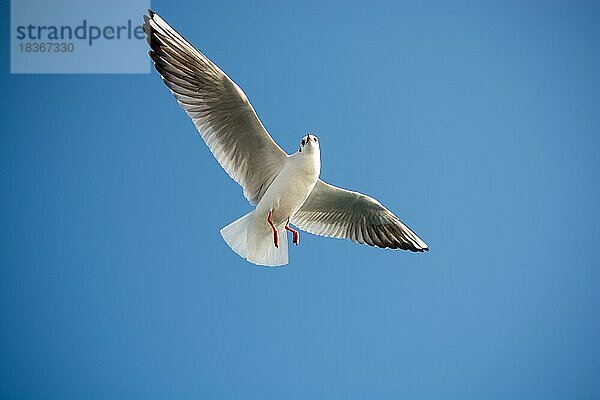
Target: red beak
{"points": [[308, 137]]}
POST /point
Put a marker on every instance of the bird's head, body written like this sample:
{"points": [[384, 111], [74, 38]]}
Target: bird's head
{"points": [[309, 144]]}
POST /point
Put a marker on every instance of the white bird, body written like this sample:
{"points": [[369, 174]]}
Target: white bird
{"points": [[285, 188]]}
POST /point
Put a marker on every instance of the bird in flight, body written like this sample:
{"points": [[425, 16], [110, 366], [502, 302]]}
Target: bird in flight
{"points": [[285, 188]]}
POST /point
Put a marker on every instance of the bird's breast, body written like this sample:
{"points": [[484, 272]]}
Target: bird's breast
{"points": [[290, 189]]}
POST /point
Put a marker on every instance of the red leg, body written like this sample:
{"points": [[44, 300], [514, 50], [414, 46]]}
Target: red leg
{"points": [[295, 236], [270, 221]]}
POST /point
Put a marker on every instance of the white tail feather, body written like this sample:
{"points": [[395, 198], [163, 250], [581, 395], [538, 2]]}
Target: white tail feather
{"points": [[253, 240], [235, 234]]}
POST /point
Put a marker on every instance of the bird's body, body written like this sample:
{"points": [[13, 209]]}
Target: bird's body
{"points": [[284, 197], [285, 188], [292, 186]]}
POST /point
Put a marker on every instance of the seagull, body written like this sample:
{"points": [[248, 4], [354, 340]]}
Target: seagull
{"points": [[285, 189]]}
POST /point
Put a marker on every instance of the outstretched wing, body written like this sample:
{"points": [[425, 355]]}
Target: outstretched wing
{"points": [[218, 107], [335, 212]]}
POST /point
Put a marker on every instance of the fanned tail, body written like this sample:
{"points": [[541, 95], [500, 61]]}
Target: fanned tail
{"points": [[253, 240]]}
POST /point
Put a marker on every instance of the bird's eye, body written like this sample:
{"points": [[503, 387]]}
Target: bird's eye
{"points": [[316, 140], [302, 142]]}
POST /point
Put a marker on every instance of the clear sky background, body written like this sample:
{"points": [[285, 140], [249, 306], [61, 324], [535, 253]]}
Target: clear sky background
{"points": [[476, 122]]}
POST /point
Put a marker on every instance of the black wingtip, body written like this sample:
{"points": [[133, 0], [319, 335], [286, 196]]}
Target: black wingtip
{"points": [[147, 19]]}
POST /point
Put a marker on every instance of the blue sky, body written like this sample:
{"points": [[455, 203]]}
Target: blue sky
{"points": [[476, 122]]}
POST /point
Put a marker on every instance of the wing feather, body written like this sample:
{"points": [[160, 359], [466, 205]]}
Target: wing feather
{"points": [[335, 212], [218, 107]]}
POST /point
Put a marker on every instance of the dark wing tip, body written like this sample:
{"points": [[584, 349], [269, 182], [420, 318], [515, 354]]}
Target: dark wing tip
{"points": [[416, 249], [405, 239], [147, 18], [147, 28]]}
